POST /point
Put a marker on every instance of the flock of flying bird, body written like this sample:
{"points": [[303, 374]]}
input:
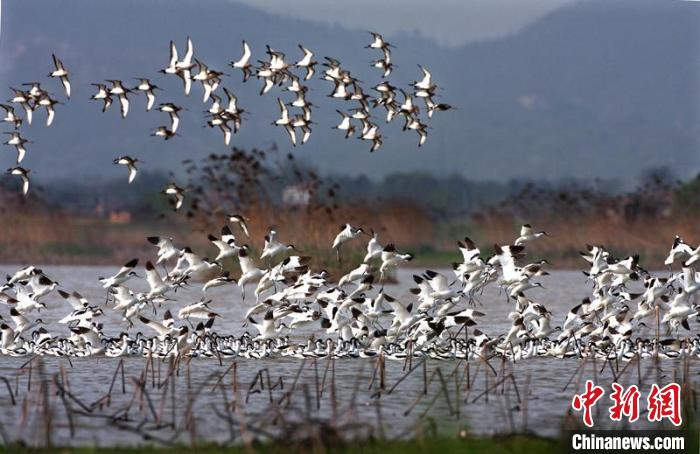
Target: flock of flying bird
{"points": [[299, 312], [227, 116]]}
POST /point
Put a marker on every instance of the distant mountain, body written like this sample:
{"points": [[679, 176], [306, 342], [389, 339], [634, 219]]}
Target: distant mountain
{"points": [[596, 89]]}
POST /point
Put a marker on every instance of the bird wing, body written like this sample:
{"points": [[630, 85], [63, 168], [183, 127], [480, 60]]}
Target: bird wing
{"points": [[74, 299], [57, 63], [25, 183], [245, 57], [244, 227], [438, 282], [226, 235], [156, 326], [292, 134], [525, 230], [173, 54], [246, 264], [151, 99], [227, 133], [179, 199], [124, 104], [66, 85], [232, 100], [132, 172], [187, 80], [51, 113], [153, 277], [283, 109], [21, 151], [174, 121], [189, 52], [426, 76]]}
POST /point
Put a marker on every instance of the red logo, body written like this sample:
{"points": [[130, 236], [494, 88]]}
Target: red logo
{"points": [[665, 403], [587, 401], [662, 403], [624, 403]]}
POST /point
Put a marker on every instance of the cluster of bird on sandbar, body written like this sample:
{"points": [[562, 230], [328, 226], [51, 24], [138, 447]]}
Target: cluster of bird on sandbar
{"points": [[300, 312], [276, 71]]}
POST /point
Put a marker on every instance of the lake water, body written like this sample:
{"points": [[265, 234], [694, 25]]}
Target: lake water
{"points": [[278, 397]]}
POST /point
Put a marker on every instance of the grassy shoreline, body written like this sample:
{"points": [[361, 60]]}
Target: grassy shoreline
{"points": [[88, 241], [512, 444]]}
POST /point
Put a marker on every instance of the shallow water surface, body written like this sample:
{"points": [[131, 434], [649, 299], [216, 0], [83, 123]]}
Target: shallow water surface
{"points": [[206, 399]]}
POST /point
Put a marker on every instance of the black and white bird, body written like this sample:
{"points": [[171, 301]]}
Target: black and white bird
{"points": [[172, 110], [527, 234], [250, 273], [243, 63], [384, 63], [23, 99], [371, 133], [391, 258], [222, 280], [347, 233], [221, 121], [176, 192], [181, 68], [226, 244], [102, 95], [11, 116], [378, 42], [130, 164], [164, 132], [274, 247], [306, 62], [345, 124], [166, 249], [163, 329], [35, 91], [121, 92], [374, 249], [62, 73], [149, 89], [209, 78], [157, 286], [47, 102], [75, 299], [125, 273], [433, 107], [426, 83], [18, 142], [241, 221], [23, 174], [415, 124]]}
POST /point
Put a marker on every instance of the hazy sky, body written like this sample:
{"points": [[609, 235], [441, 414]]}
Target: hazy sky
{"points": [[449, 22], [584, 92]]}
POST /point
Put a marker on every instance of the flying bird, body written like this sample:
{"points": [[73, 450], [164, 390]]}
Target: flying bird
{"points": [[176, 192], [62, 73], [130, 164], [23, 174]]}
